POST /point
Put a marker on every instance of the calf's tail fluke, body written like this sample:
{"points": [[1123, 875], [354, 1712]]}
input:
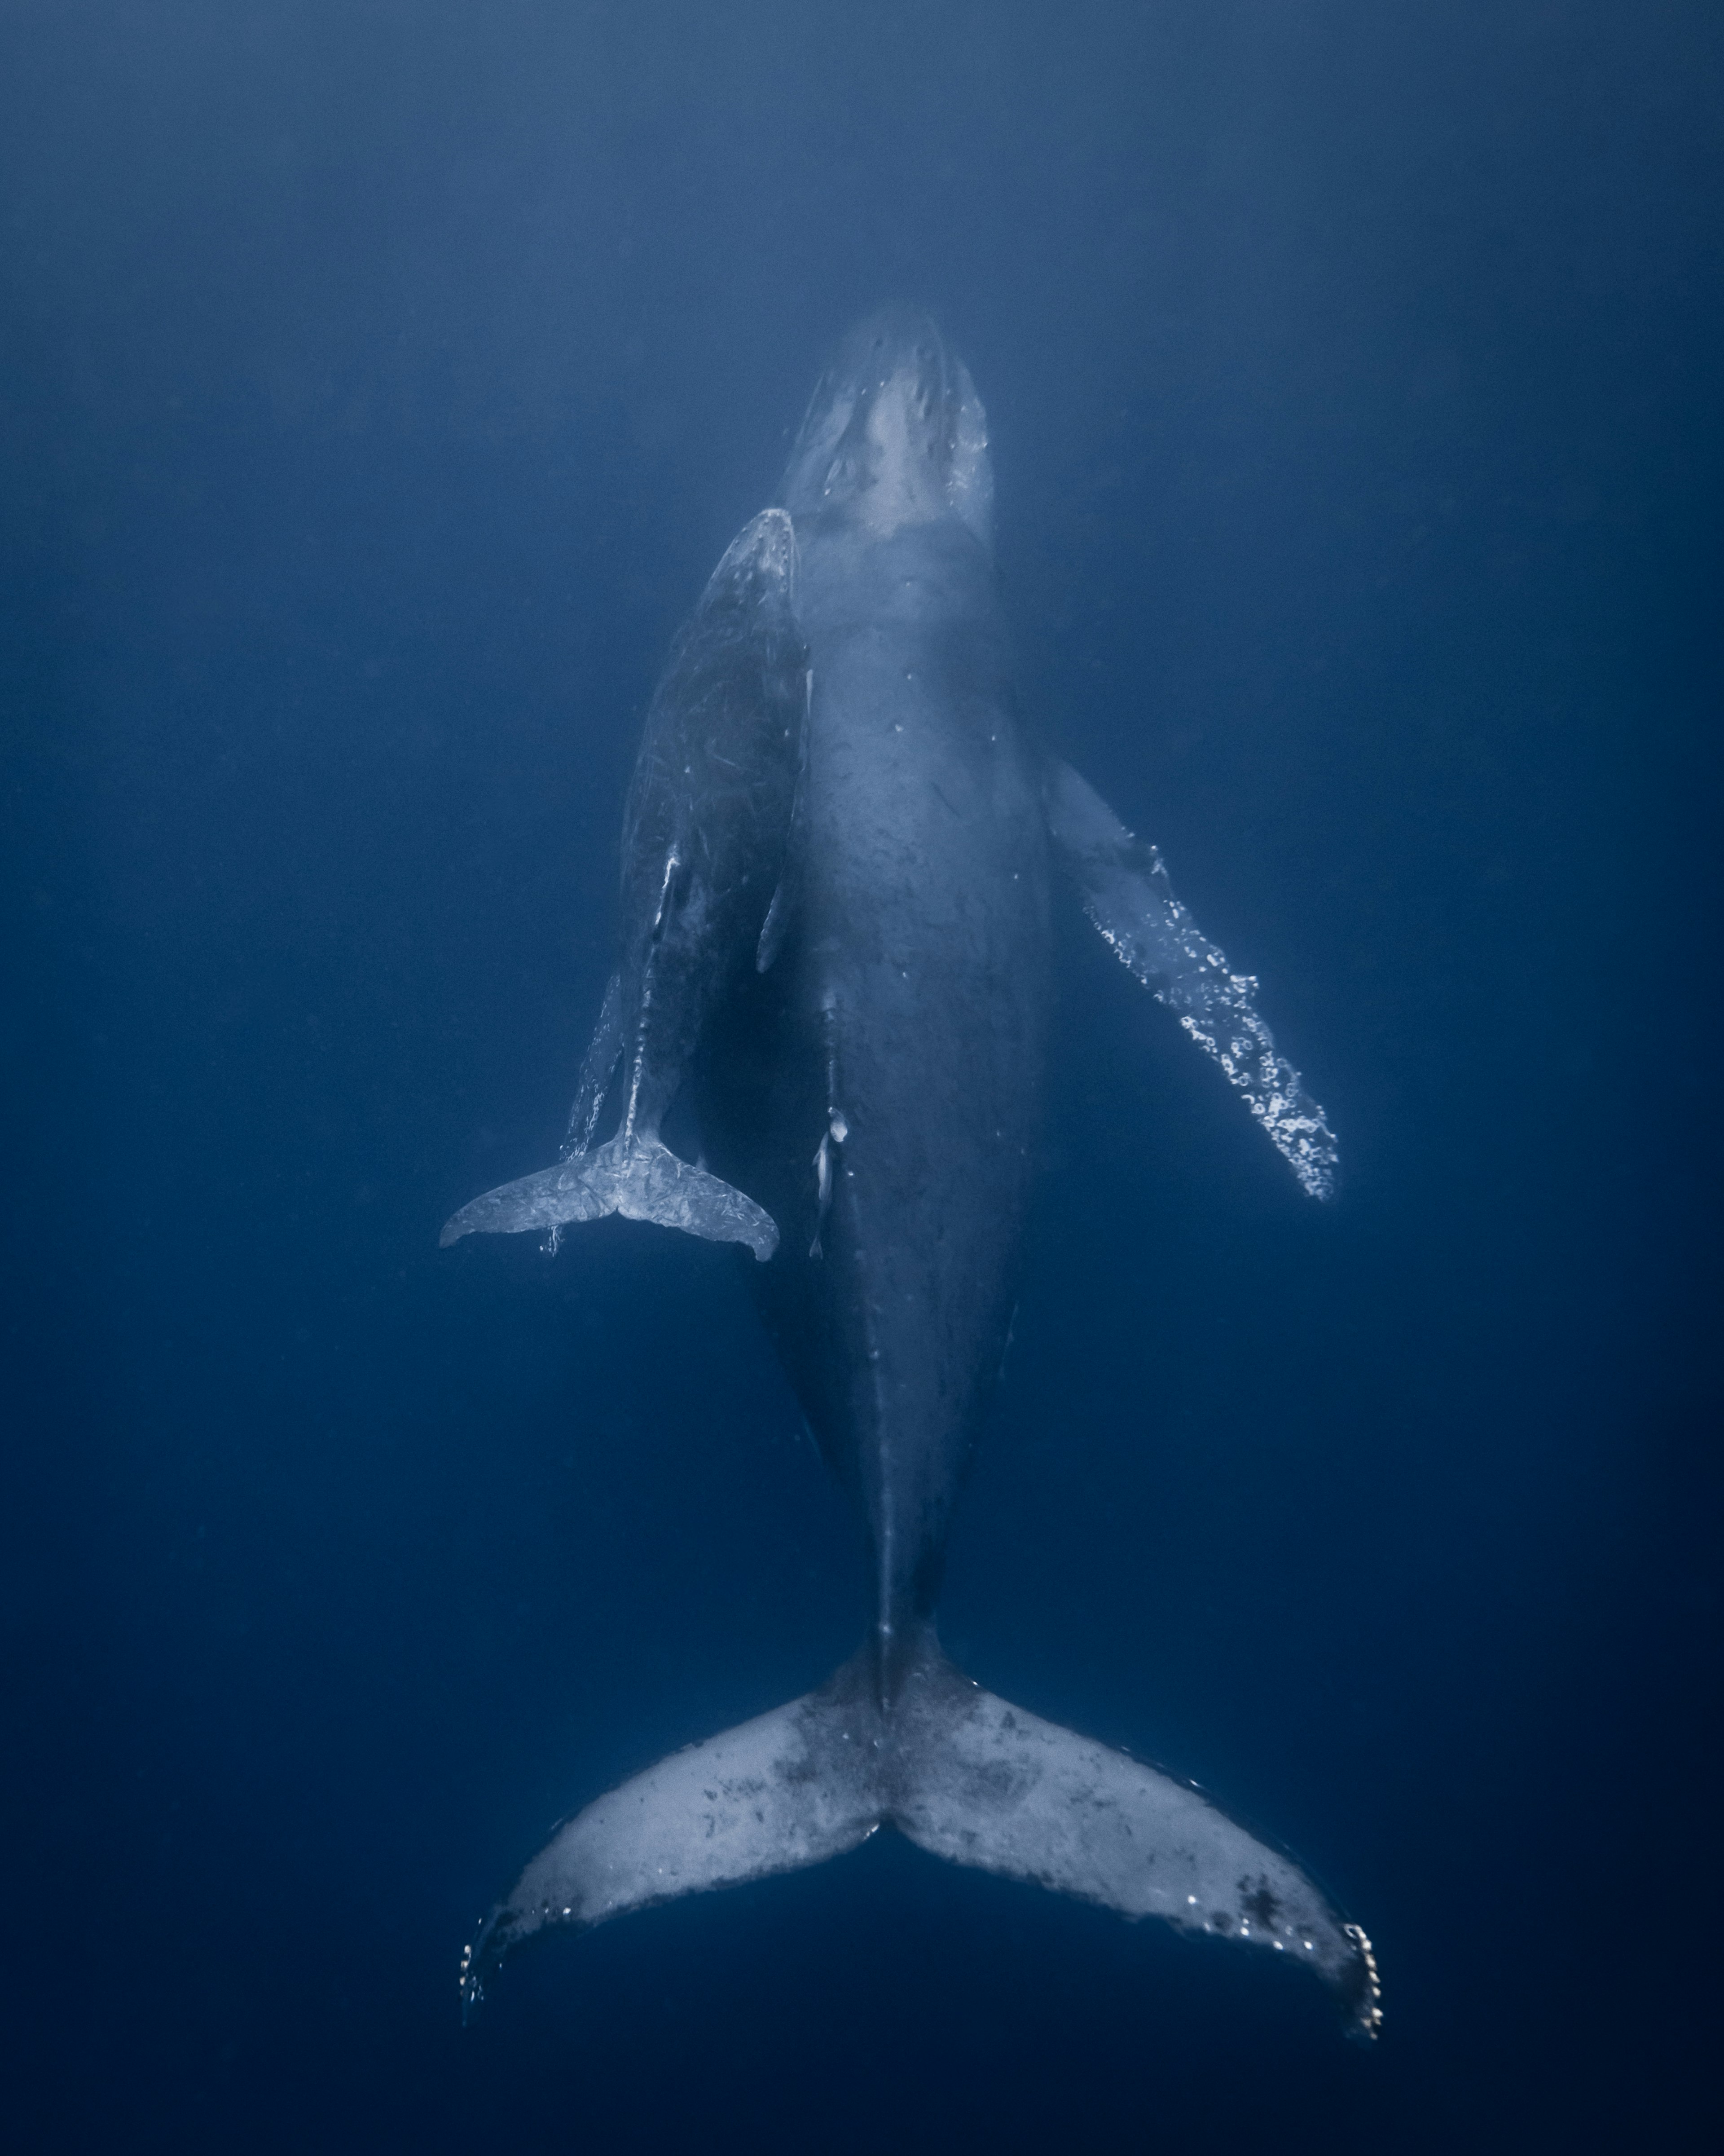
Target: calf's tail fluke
{"points": [[964, 1776], [637, 1176]]}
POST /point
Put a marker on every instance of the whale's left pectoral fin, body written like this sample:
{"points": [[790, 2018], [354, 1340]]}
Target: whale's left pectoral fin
{"points": [[639, 1178], [1126, 891]]}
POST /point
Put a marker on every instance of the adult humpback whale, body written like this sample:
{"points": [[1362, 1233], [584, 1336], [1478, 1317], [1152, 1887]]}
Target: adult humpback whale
{"points": [[834, 937]]}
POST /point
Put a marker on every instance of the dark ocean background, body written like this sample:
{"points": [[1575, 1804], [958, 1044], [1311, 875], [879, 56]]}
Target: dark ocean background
{"points": [[379, 380]]}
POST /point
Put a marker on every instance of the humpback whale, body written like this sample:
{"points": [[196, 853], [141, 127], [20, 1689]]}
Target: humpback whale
{"points": [[839, 855]]}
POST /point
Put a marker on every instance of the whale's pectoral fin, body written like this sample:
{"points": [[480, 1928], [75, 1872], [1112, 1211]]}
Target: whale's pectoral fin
{"points": [[1126, 894], [785, 1790], [961, 1775], [598, 1067], [788, 896], [639, 1178], [986, 1785]]}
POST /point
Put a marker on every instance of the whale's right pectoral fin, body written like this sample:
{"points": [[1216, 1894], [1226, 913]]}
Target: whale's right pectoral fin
{"points": [[639, 1178], [1124, 885]]}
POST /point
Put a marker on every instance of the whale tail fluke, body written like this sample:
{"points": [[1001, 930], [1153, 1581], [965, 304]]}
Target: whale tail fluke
{"points": [[960, 1774], [637, 1176]]}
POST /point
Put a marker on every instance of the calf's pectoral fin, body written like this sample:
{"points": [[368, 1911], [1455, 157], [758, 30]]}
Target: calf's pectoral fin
{"points": [[639, 1178], [598, 1067], [963, 1775], [1126, 891], [787, 897]]}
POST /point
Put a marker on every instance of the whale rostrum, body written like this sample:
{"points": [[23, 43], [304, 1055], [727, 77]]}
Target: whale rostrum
{"points": [[838, 859]]}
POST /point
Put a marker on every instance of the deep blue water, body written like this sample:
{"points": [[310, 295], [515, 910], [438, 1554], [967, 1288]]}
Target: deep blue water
{"points": [[378, 383]]}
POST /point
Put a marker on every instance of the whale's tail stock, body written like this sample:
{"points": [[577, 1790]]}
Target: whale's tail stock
{"points": [[964, 1776]]}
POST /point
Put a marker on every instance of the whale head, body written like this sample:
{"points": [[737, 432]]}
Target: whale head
{"points": [[894, 435]]}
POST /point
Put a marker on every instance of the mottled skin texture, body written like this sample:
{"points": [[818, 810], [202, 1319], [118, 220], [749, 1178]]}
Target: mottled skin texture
{"points": [[906, 1011]]}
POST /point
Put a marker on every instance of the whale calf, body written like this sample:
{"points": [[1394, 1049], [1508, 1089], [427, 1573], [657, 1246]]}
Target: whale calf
{"points": [[705, 837], [839, 859]]}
